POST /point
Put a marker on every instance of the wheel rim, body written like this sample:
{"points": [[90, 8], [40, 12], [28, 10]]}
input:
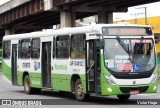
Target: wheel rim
{"points": [[27, 85], [79, 90]]}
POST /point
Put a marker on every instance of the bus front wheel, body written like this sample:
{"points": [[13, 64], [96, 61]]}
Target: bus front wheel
{"points": [[27, 87], [79, 91], [123, 97]]}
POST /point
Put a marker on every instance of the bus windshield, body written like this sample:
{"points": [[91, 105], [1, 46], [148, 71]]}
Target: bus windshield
{"points": [[129, 54]]}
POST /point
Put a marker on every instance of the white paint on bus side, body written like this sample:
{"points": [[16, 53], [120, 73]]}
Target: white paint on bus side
{"points": [[6, 79]]}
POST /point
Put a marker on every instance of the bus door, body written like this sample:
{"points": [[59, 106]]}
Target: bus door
{"points": [[46, 64], [14, 64], [93, 62]]}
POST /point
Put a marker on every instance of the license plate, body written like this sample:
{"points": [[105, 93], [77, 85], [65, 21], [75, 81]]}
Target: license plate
{"points": [[134, 92]]}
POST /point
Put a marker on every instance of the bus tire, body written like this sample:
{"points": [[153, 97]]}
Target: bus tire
{"points": [[27, 87], [123, 97], [80, 96]]}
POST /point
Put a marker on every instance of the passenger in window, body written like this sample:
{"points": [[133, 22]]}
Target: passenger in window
{"points": [[73, 49], [73, 54], [82, 53]]}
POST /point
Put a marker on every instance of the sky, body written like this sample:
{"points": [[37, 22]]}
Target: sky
{"points": [[3, 1], [152, 10], [133, 12]]}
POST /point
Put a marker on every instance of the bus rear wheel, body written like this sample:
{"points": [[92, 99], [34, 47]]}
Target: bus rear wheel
{"points": [[80, 96], [27, 87], [123, 97]]}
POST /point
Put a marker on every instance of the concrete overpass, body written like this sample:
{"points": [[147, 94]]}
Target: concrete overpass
{"points": [[19, 16]]}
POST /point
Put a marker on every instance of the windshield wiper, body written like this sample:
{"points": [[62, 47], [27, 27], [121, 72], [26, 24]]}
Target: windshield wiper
{"points": [[124, 46]]}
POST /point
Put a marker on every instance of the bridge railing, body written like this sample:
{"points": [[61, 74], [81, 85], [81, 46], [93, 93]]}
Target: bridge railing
{"points": [[11, 4]]}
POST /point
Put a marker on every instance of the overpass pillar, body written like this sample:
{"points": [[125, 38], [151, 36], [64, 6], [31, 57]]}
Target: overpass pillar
{"points": [[9, 31], [105, 17], [67, 19]]}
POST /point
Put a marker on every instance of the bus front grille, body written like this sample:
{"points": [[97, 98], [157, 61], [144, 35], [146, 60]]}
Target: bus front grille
{"points": [[128, 89]]}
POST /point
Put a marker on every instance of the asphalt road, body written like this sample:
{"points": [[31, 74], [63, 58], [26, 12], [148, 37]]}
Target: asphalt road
{"points": [[7, 91]]}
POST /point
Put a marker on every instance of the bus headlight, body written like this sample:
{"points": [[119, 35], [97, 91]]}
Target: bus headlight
{"points": [[109, 80], [155, 87], [154, 78]]}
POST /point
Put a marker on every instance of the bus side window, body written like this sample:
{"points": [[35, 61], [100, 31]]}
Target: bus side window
{"points": [[7, 49], [78, 46], [35, 50], [62, 46], [25, 48]]}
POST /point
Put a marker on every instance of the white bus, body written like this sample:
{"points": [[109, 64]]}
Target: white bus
{"points": [[102, 59]]}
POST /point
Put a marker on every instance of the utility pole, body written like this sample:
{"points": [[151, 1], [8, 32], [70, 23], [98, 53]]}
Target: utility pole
{"points": [[146, 15], [145, 12]]}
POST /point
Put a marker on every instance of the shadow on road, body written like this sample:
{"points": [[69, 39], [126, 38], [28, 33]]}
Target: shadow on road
{"points": [[70, 99], [66, 98]]}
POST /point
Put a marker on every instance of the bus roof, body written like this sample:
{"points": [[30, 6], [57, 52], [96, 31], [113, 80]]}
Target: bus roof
{"points": [[66, 31]]}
